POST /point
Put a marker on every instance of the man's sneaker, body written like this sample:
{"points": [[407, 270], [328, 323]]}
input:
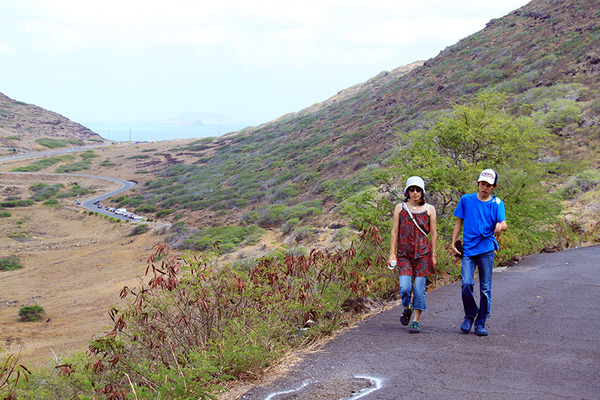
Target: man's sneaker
{"points": [[415, 327], [406, 315], [480, 330], [467, 324]]}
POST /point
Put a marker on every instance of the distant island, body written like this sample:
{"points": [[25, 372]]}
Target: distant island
{"points": [[198, 119]]}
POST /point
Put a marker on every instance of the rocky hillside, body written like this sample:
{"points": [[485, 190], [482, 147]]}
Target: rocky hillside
{"points": [[26, 127], [544, 55]]}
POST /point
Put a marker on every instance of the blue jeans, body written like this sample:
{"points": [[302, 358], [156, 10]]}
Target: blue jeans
{"points": [[485, 264], [419, 293]]}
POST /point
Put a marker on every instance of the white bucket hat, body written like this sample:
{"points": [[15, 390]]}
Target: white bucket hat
{"points": [[414, 181]]}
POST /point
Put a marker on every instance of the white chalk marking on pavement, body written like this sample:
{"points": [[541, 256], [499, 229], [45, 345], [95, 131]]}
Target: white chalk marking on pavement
{"points": [[304, 384], [375, 382], [375, 385]]}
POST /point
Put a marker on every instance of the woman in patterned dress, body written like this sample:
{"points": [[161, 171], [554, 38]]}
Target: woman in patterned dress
{"points": [[413, 249]]}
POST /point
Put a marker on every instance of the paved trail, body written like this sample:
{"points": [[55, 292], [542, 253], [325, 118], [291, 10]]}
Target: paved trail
{"points": [[544, 344]]}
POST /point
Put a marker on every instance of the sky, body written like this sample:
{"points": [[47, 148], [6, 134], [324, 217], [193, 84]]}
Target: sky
{"points": [[249, 61]]}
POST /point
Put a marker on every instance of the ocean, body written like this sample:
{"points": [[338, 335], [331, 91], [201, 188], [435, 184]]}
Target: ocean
{"points": [[125, 131]]}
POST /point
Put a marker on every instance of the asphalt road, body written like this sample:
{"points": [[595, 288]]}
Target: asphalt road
{"points": [[89, 203], [53, 152], [544, 343]]}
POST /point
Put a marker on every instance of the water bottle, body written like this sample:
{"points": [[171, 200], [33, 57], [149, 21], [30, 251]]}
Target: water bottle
{"points": [[392, 265]]}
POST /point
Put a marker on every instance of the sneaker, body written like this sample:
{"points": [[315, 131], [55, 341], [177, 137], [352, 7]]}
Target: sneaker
{"points": [[406, 316], [480, 330], [466, 325], [415, 327]]}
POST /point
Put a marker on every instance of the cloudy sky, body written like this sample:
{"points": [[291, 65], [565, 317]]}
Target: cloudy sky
{"points": [[251, 61]]}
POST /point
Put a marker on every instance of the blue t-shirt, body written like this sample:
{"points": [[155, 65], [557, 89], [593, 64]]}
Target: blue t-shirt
{"points": [[480, 219]]}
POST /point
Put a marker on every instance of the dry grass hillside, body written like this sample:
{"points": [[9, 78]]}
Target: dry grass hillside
{"points": [[74, 264], [24, 128]]}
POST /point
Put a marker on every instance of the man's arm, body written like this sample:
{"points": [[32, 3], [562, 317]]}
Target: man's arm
{"points": [[500, 227], [455, 233]]}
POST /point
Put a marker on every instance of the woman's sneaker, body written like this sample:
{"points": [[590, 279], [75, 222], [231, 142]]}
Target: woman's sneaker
{"points": [[406, 316], [480, 330], [415, 327]]}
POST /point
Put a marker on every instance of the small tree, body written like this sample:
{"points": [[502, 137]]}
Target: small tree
{"points": [[476, 135], [450, 153], [31, 313], [10, 263]]}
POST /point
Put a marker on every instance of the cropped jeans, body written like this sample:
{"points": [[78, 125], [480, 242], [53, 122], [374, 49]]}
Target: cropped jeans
{"points": [[485, 264], [406, 290]]}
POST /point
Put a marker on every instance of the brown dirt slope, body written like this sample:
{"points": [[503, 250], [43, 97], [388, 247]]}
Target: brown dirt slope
{"points": [[74, 266]]}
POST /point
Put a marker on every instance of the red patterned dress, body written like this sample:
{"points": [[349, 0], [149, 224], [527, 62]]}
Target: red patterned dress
{"points": [[413, 247]]}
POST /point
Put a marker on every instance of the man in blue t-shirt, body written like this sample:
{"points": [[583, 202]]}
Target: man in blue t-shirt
{"points": [[482, 218]]}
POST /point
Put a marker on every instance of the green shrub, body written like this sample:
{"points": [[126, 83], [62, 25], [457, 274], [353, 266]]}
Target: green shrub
{"points": [[138, 157], [56, 143], [52, 143], [304, 233], [5, 214], [583, 182], [31, 313], [74, 167], [16, 203], [45, 191], [341, 234], [289, 225], [88, 154], [140, 229], [43, 163], [145, 208], [50, 202], [561, 113], [165, 212], [10, 263], [227, 238]]}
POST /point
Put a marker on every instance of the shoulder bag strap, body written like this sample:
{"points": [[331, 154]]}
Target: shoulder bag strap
{"points": [[413, 218]]}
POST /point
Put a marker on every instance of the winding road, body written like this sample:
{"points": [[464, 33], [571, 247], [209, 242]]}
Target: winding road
{"points": [[88, 203]]}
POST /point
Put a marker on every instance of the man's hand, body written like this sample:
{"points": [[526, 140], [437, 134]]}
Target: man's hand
{"points": [[456, 251]]}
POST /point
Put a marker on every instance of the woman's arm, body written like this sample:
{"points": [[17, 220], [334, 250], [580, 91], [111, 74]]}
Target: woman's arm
{"points": [[433, 232], [394, 235]]}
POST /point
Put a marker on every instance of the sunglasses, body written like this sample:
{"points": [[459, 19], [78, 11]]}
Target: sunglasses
{"points": [[415, 189]]}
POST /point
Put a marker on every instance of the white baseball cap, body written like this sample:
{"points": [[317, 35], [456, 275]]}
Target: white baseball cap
{"points": [[414, 181], [489, 176]]}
